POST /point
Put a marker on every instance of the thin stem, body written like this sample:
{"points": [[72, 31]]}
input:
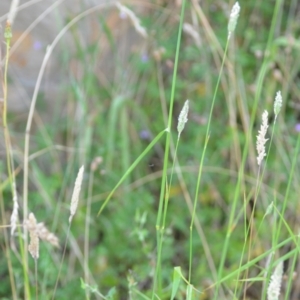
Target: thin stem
{"points": [[7, 252], [202, 161], [36, 279], [62, 260], [9, 160], [166, 160], [87, 230], [259, 85]]}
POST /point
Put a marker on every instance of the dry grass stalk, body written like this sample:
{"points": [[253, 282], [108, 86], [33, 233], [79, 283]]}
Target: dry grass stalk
{"points": [[13, 11], [190, 30], [76, 191], [126, 12]]}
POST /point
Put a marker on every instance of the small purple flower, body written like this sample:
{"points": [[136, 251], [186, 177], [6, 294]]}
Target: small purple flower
{"points": [[145, 134], [122, 15], [297, 127], [37, 45], [144, 57]]}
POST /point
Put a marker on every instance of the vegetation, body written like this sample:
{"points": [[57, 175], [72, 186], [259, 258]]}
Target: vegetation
{"points": [[184, 153]]}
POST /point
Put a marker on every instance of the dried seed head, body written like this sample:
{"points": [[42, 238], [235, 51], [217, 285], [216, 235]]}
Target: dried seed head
{"points": [[95, 163], [261, 141], [41, 230], [277, 104], [182, 119], [158, 53], [234, 15], [8, 32], [33, 246], [275, 282], [14, 215], [45, 235], [76, 191]]}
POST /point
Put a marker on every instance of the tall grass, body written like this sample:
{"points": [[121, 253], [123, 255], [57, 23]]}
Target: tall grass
{"points": [[217, 219]]}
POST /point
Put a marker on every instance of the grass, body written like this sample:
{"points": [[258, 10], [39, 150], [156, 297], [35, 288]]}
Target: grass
{"points": [[161, 214]]}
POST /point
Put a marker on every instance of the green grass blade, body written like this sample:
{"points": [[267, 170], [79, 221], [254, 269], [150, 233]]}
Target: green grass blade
{"points": [[176, 281], [131, 168]]}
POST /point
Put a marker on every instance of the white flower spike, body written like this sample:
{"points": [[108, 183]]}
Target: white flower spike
{"points": [[182, 119], [75, 195], [277, 104], [261, 140], [275, 282], [234, 15]]}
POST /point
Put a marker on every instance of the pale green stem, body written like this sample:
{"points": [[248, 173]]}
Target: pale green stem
{"points": [[259, 85], [202, 161], [157, 274]]}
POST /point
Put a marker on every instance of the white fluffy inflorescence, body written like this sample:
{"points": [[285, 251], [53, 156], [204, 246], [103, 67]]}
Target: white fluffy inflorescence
{"points": [[14, 216], [234, 15], [76, 191], [277, 104], [261, 140], [182, 119], [275, 282]]}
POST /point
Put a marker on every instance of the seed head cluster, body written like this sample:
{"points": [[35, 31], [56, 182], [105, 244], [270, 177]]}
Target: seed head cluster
{"points": [[234, 15], [261, 140], [182, 119], [275, 283]]}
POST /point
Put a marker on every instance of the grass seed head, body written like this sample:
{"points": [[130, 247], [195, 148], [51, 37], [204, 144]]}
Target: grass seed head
{"points": [[14, 215], [33, 246], [261, 140], [234, 15], [76, 191], [275, 283], [182, 119], [45, 235], [277, 104]]}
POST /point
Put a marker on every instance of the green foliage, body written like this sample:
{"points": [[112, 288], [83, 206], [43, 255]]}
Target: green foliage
{"points": [[120, 114]]}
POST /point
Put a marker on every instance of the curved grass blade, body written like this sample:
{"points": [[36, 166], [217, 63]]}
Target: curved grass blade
{"points": [[150, 146]]}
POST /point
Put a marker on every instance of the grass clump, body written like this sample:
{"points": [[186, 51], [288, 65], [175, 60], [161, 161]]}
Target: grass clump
{"points": [[178, 200]]}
